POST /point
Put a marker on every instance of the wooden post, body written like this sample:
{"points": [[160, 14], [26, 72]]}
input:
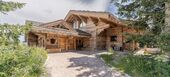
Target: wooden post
{"points": [[66, 44], [122, 40], [107, 39], [74, 39]]}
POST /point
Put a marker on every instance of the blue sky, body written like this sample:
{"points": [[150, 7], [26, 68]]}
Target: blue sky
{"points": [[51, 10]]}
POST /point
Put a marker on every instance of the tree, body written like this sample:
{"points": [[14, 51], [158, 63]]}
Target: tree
{"points": [[17, 59], [148, 15], [9, 34], [9, 6], [150, 12]]}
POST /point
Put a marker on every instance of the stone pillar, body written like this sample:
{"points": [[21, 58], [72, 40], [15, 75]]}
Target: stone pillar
{"points": [[108, 39], [93, 41], [108, 42], [91, 28]]}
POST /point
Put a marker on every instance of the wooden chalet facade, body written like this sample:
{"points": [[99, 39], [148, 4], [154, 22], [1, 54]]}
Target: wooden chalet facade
{"points": [[81, 30]]}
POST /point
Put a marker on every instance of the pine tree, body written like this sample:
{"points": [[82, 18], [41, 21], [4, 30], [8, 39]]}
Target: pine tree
{"points": [[148, 15], [150, 12], [9, 6], [9, 34], [16, 59]]}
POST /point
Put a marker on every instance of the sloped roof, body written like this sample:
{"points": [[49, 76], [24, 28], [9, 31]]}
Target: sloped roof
{"points": [[34, 23], [82, 33], [53, 31], [48, 28], [58, 22], [104, 15]]}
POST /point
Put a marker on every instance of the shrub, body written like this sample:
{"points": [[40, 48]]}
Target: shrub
{"points": [[143, 66], [21, 61], [108, 58], [140, 66], [163, 42], [111, 51]]}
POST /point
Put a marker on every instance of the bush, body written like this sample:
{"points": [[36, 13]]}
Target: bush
{"points": [[164, 42], [21, 61], [143, 66], [140, 66], [108, 58]]}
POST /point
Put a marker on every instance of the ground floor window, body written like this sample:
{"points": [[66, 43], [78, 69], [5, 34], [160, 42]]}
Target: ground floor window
{"points": [[113, 38], [52, 41]]}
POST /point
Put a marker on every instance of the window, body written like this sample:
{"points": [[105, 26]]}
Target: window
{"points": [[75, 24], [82, 24], [52, 41], [113, 38]]}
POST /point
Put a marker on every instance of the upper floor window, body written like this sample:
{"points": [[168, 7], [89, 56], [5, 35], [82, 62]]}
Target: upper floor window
{"points": [[75, 25], [82, 24]]}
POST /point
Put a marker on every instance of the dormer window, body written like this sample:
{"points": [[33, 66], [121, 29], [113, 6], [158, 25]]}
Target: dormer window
{"points": [[75, 24], [82, 24]]}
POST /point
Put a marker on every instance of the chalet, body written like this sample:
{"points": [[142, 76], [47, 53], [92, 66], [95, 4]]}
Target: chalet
{"points": [[81, 30]]}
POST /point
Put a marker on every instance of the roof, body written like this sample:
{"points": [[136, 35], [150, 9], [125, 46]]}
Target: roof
{"points": [[83, 33], [69, 30], [103, 15], [87, 13], [58, 22], [78, 33], [50, 28], [34, 23], [53, 31]]}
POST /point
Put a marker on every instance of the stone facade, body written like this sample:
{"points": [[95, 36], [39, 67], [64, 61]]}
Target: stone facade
{"points": [[82, 30]]}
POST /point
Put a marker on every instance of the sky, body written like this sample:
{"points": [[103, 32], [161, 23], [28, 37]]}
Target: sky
{"points": [[51, 10]]}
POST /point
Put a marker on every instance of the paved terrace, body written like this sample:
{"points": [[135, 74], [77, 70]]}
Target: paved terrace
{"points": [[77, 64]]}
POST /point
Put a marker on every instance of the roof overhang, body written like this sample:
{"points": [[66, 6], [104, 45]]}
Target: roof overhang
{"points": [[54, 31], [107, 17], [61, 32]]}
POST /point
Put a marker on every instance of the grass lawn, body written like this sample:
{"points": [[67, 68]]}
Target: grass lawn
{"points": [[138, 66]]}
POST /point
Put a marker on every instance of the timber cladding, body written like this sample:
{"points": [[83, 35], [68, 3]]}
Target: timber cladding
{"points": [[81, 30]]}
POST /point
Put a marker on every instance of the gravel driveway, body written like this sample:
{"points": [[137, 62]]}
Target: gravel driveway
{"points": [[76, 64]]}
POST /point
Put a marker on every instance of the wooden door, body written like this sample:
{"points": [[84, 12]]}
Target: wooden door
{"points": [[62, 43], [71, 44]]}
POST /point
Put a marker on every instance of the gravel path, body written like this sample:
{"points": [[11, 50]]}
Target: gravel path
{"points": [[77, 64]]}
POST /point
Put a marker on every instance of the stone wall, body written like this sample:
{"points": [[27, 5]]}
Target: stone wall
{"points": [[101, 41]]}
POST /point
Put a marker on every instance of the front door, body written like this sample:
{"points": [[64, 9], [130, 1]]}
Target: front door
{"points": [[79, 44], [71, 44]]}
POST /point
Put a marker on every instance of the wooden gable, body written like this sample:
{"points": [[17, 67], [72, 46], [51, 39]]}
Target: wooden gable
{"points": [[60, 24]]}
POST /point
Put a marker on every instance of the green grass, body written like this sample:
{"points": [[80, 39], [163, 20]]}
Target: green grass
{"points": [[108, 58], [138, 66]]}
